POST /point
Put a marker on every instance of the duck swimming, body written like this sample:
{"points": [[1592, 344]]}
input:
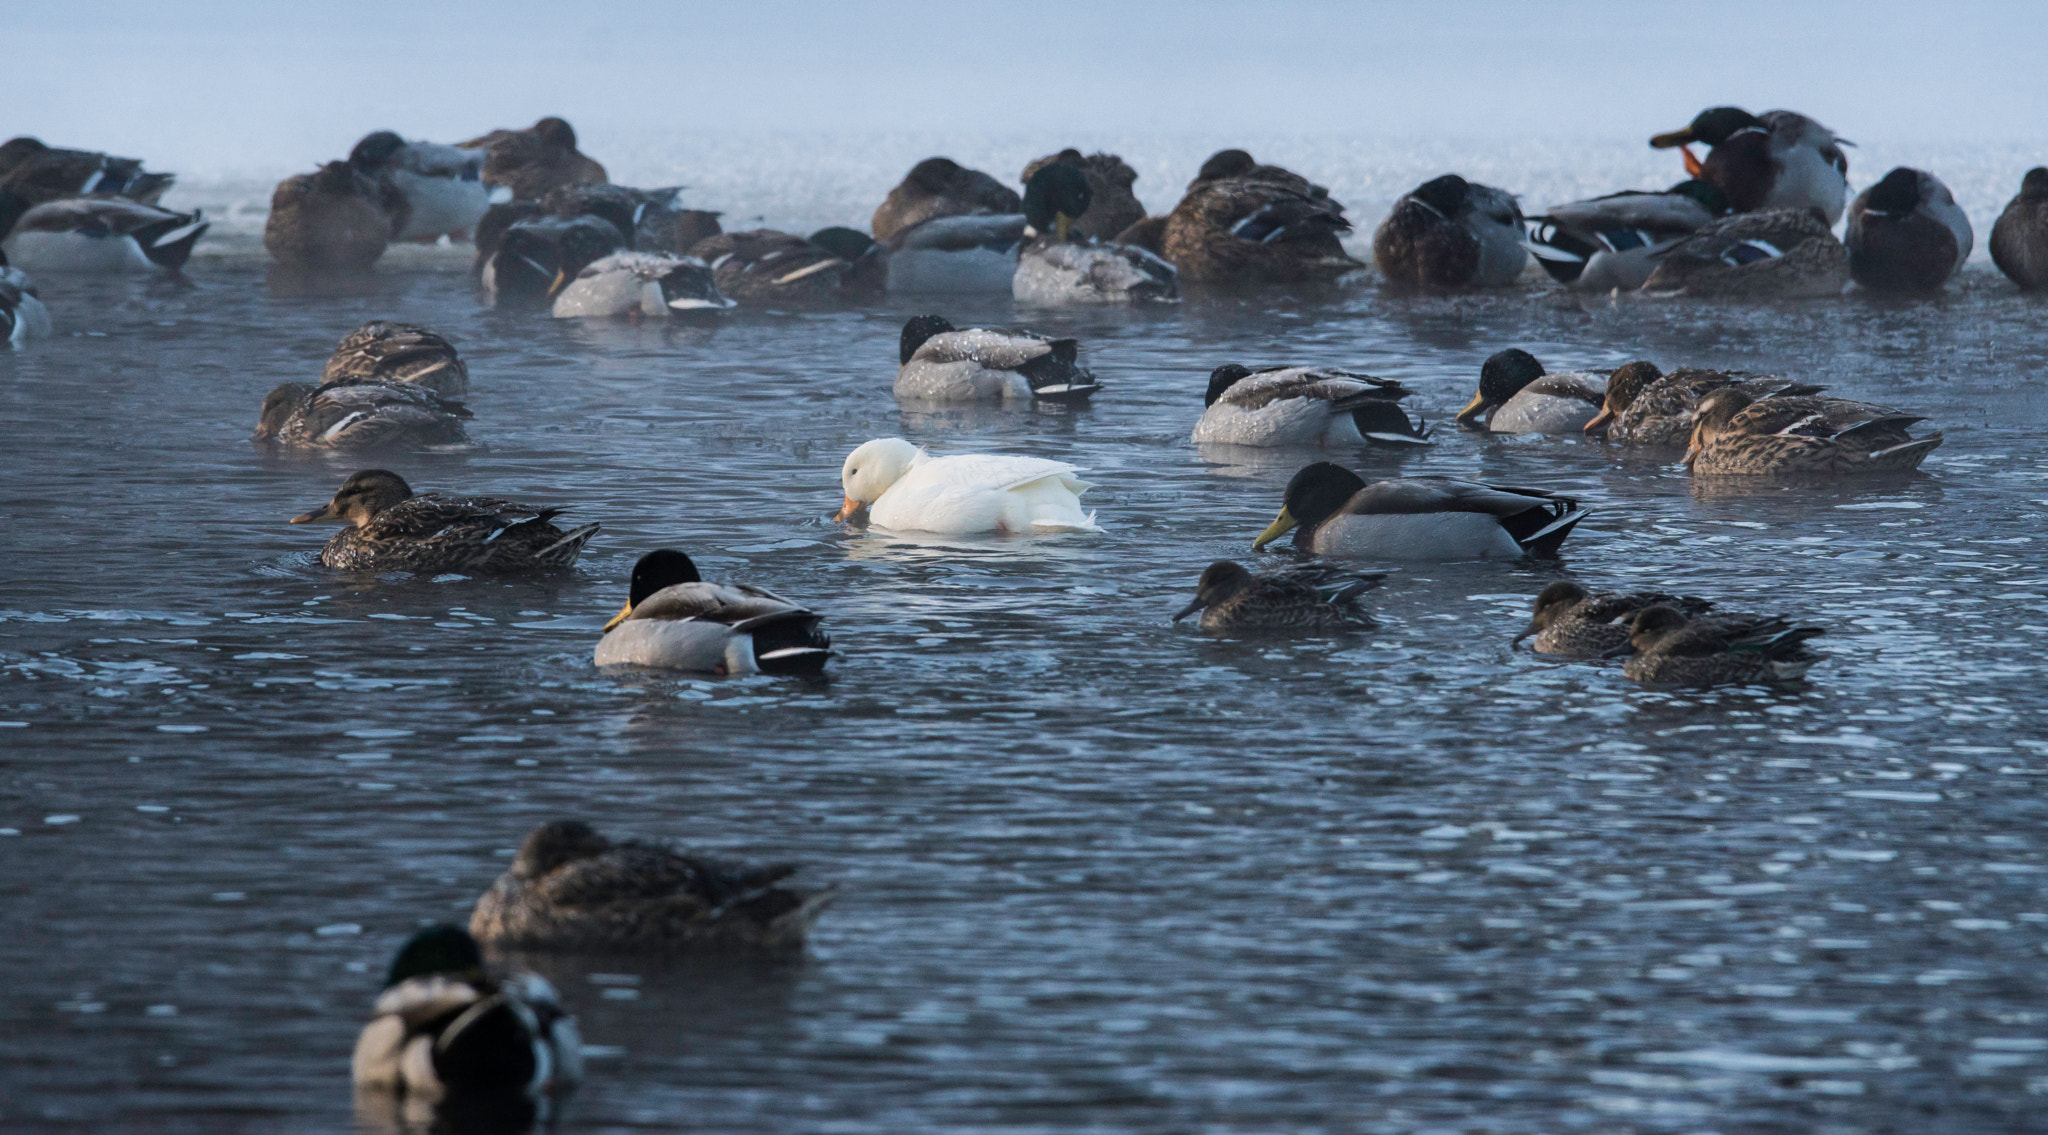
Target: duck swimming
{"points": [[674, 620], [388, 528], [1733, 434], [358, 415], [1516, 396], [1612, 243], [1055, 270], [940, 363], [762, 267], [1249, 225], [941, 187], [532, 161], [1571, 622], [1313, 599], [445, 1025], [97, 234], [570, 888], [1449, 233], [1775, 254], [539, 256], [903, 488], [2019, 239], [39, 173], [1333, 512], [441, 187], [1304, 406], [385, 350], [22, 314], [1906, 233], [1780, 160], [636, 284], [331, 219], [1666, 648], [1646, 407], [956, 255]]}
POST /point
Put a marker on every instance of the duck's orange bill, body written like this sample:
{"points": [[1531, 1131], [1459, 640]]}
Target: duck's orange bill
{"points": [[1693, 168], [848, 509], [1600, 421], [621, 616]]}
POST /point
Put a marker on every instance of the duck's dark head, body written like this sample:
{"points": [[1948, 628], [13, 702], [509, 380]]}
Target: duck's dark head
{"points": [[1711, 417], [934, 175], [845, 243], [1226, 163], [663, 567], [1895, 194], [361, 497], [1623, 386], [555, 132], [1223, 378], [1500, 378], [1650, 626], [12, 207], [1446, 195], [1313, 496], [551, 845], [1219, 581], [340, 179], [1055, 198], [916, 331], [15, 151], [440, 949], [278, 406], [1711, 127], [2035, 184], [374, 150], [1706, 193], [1551, 603]]}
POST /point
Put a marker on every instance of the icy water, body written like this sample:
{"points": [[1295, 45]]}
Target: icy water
{"points": [[1098, 871]]}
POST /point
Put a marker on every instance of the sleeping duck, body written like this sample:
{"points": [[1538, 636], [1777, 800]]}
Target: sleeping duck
{"points": [[1113, 207], [446, 1026], [940, 363], [1571, 622], [674, 620], [765, 268], [1304, 406], [1906, 233], [941, 187], [1332, 512], [1612, 242], [332, 219], [1310, 599], [2019, 240], [1666, 648], [901, 487], [22, 314], [441, 186], [1646, 407], [536, 258], [97, 234], [358, 415], [1774, 254], [385, 350], [532, 161], [1449, 233], [1516, 396], [388, 528], [1733, 434], [39, 173], [1779, 161], [1245, 224], [570, 888], [867, 275], [650, 219], [956, 255], [633, 285], [1053, 269]]}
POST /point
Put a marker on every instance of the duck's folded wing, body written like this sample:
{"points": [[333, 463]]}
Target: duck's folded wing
{"points": [[457, 518], [1343, 390], [999, 350], [115, 216], [1448, 494], [997, 232], [713, 602], [421, 999], [403, 352], [628, 872], [1656, 213], [978, 472]]}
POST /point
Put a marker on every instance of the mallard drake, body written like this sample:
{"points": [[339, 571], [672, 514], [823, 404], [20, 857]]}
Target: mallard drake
{"points": [[446, 1026], [902, 487], [651, 220], [1612, 242], [1646, 407], [1311, 599], [1666, 648], [2019, 240], [1779, 161], [635, 284], [956, 255], [357, 415], [762, 267], [1906, 233], [941, 187], [334, 218], [1734, 434], [441, 187], [1449, 233], [674, 620], [532, 161], [385, 350], [570, 888], [1333, 512], [98, 234], [1571, 622], [1114, 207], [40, 173], [1516, 396], [22, 314], [538, 257], [1304, 406], [1242, 223], [868, 276], [1775, 254], [940, 363], [1054, 270], [388, 528]]}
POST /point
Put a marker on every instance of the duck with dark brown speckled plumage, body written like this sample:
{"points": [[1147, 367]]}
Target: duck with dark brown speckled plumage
{"points": [[390, 528]]}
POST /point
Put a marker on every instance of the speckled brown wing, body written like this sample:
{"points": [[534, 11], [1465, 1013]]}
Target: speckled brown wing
{"points": [[430, 533], [2019, 241], [372, 415], [1246, 231], [388, 351], [1728, 259], [765, 266], [1420, 250]]}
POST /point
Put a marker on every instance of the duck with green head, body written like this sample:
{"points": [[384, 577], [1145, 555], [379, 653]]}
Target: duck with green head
{"points": [[1906, 233], [1448, 234], [1516, 396], [941, 363], [1275, 406], [1332, 512], [1055, 269], [1778, 160], [674, 620]]}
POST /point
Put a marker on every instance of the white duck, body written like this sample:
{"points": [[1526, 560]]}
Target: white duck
{"points": [[1304, 406], [903, 488]]}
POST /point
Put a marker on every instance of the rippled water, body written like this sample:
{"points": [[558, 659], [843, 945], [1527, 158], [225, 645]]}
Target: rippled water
{"points": [[1099, 872]]}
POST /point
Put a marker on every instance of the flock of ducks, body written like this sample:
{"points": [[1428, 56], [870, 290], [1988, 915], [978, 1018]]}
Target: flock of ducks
{"points": [[1753, 218]]}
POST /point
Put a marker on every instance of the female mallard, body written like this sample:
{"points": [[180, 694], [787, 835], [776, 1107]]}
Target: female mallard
{"points": [[1612, 243], [390, 529], [941, 187], [1246, 224], [1304, 406], [1906, 233], [537, 257], [765, 268], [1646, 407], [532, 161], [636, 284], [357, 415], [903, 488], [940, 363], [445, 1026], [570, 888], [674, 620], [1515, 396], [2019, 240], [1312, 599], [1734, 434], [39, 173], [385, 350], [1779, 161], [1571, 622], [1449, 233], [1776, 254], [441, 187], [22, 314], [1114, 208], [331, 219], [1332, 512], [98, 234], [1665, 648], [1054, 270]]}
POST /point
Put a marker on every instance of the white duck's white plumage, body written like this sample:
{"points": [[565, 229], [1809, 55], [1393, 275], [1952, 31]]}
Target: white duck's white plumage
{"points": [[908, 490], [645, 283], [972, 254], [395, 1051], [102, 235], [22, 314], [1061, 273], [443, 185], [1295, 406]]}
